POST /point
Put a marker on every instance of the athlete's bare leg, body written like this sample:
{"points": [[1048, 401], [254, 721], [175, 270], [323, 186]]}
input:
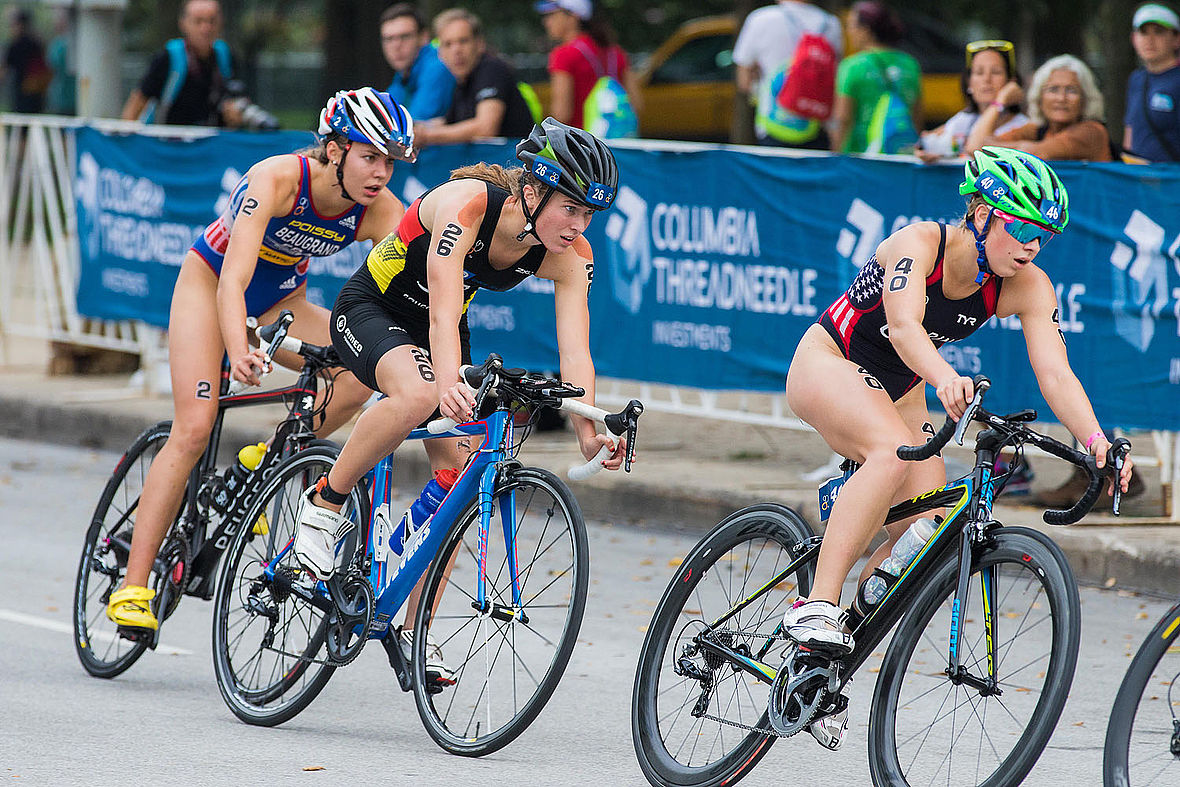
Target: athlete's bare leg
{"points": [[195, 350]]}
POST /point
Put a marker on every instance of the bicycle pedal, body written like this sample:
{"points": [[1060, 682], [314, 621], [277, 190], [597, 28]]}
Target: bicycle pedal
{"points": [[137, 635]]}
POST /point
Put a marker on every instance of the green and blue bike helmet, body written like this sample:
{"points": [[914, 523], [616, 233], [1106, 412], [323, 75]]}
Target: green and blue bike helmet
{"points": [[1020, 188]]}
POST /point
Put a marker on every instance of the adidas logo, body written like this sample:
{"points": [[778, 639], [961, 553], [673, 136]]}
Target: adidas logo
{"points": [[349, 221], [289, 284]]}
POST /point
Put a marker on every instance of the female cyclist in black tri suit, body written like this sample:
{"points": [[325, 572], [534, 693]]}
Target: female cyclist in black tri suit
{"points": [[400, 321]]}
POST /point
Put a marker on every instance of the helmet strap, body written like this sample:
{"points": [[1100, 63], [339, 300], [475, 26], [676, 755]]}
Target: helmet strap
{"points": [[984, 269], [530, 217], [340, 172]]}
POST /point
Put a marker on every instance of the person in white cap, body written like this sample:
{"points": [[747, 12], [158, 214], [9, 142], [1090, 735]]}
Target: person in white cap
{"points": [[585, 51], [1152, 130]]}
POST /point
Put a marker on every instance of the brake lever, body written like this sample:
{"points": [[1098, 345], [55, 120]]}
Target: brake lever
{"points": [[633, 410], [981, 386], [1117, 456]]}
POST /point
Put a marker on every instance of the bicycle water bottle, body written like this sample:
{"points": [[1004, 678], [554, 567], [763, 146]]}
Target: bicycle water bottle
{"points": [[422, 509], [233, 480], [873, 589]]}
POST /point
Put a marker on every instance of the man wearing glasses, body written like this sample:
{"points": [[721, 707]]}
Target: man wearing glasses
{"points": [[421, 83]]}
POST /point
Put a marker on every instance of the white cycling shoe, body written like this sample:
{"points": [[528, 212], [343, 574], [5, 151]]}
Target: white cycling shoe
{"points": [[829, 730], [316, 536], [437, 670], [819, 626]]}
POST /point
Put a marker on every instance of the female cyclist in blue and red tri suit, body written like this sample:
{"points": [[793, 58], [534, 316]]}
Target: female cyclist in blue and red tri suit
{"points": [[252, 262]]}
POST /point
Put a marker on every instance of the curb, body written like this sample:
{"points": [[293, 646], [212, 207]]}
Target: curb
{"points": [[1096, 558]]}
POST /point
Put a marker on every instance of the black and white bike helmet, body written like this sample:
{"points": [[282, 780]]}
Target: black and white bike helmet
{"points": [[572, 161]]}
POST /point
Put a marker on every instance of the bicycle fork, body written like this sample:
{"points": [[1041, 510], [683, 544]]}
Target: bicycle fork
{"points": [[482, 604], [955, 670]]}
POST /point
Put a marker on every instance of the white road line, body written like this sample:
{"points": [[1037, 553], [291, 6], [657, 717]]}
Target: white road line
{"points": [[65, 628]]}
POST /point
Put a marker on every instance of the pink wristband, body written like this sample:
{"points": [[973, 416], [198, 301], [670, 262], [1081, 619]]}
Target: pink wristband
{"points": [[1090, 440]]}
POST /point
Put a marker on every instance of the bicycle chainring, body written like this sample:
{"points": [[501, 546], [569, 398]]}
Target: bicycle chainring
{"points": [[349, 623], [799, 691], [176, 556]]}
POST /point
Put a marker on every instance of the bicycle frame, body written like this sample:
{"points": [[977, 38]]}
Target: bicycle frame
{"points": [[207, 548], [394, 575], [968, 522]]}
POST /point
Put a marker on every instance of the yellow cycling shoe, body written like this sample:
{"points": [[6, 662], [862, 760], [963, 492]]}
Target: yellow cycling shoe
{"points": [[129, 607], [261, 525]]}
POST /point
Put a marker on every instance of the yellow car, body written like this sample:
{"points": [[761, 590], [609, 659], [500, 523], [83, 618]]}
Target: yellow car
{"points": [[688, 90]]}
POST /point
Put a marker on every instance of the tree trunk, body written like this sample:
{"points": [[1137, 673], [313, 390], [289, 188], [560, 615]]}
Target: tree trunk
{"points": [[352, 47]]}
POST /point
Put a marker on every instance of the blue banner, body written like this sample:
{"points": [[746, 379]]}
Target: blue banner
{"points": [[711, 264]]}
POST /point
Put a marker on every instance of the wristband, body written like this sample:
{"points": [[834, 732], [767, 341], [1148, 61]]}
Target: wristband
{"points": [[997, 105], [1090, 440]]}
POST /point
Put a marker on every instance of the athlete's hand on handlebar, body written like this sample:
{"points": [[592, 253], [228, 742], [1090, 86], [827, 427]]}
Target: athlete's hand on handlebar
{"points": [[617, 448], [1100, 449], [249, 367], [955, 393], [457, 403]]}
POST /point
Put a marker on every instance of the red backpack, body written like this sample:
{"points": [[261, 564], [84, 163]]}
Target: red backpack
{"points": [[810, 86]]}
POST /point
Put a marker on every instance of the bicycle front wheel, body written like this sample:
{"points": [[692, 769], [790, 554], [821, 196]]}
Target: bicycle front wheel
{"points": [[506, 658], [696, 719], [268, 641], [927, 727], [103, 564], [1143, 736]]}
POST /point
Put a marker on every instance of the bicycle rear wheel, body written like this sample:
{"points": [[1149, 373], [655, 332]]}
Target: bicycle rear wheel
{"points": [[1143, 736], [507, 661], [103, 564], [268, 642], [926, 728], [696, 720]]}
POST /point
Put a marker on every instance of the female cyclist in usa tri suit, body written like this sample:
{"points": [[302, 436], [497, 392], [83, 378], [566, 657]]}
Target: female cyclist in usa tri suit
{"points": [[400, 322], [857, 375], [253, 261]]}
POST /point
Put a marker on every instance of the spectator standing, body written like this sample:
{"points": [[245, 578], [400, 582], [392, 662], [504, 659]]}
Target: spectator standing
{"points": [[24, 64], [1152, 129], [421, 83], [1066, 112], [990, 65], [185, 83], [878, 89], [585, 51], [63, 91], [765, 46], [486, 100]]}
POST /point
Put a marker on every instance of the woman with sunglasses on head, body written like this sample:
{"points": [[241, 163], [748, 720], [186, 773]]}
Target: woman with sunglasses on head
{"points": [[990, 66], [1066, 112], [858, 376]]}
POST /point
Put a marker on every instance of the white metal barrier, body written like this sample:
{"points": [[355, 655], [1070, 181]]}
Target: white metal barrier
{"points": [[39, 279]]}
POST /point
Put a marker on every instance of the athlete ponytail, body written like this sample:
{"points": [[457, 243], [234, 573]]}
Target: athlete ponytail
{"points": [[511, 179]]}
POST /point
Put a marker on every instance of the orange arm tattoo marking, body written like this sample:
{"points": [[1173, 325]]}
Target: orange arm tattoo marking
{"points": [[474, 209], [582, 247]]}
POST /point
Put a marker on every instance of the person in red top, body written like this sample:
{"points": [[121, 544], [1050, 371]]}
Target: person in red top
{"points": [[585, 51]]}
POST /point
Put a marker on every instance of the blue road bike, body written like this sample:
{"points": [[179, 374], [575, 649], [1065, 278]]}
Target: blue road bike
{"points": [[506, 568]]}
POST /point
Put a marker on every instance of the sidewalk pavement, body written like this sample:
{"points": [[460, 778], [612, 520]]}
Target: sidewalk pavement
{"points": [[689, 474]]}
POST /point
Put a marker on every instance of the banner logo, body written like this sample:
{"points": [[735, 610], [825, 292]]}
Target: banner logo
{"points": [[629, 253], [1139, 280]]}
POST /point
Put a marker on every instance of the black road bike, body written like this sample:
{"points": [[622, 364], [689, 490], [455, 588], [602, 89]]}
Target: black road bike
{"points": [[211, 512], [972, 683], [1143, 734]]}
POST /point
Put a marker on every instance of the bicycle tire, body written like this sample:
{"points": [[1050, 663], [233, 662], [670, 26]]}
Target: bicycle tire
{"points": [[103, 563], [1031, 573], [1131, 718], [758, 541], [553, 572], [245, 601]]}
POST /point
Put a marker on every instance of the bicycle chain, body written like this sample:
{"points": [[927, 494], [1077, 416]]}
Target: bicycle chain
{"points": [[738, 724]]}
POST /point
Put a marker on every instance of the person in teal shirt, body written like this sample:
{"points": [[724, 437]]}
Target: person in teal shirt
{"points": [[421, 83], [877, 69], [62, 98]]}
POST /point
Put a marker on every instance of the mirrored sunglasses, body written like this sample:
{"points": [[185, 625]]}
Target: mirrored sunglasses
{"points": [[1025, 231]]}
